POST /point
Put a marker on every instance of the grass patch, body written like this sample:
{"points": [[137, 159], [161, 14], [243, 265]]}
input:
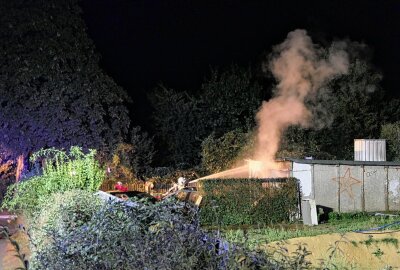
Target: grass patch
{"points": [[392, 241], [388, 241], [369, 241], [378, 252], [254, 237]]}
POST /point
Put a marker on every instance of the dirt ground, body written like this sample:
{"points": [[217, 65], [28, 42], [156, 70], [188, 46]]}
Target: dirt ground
{"points": [[8, 260], [7, 252], [351, 250]]}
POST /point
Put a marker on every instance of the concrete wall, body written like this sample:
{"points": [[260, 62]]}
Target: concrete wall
{"points": [[352, 186]]}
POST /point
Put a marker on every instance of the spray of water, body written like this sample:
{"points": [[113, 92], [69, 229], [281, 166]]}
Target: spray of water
{"points": [[238, 172]]}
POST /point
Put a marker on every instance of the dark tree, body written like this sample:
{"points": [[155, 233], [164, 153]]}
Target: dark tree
{"points": [[230, 99], [142, 152], [227, 101], [180, 126], [52, 91], [356, 109], [352, 111]]}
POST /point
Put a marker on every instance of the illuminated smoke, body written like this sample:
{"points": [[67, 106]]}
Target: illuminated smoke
{"points": [[301, 69]]}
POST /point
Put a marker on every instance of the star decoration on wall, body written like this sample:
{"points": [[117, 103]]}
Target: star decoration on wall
{"points": [[346, 183]]}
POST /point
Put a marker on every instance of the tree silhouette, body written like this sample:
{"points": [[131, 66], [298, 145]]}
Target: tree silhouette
{"points": [[52, 90]]}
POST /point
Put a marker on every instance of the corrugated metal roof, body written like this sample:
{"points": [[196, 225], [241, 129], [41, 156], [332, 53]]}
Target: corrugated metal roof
{"points": [[343, 162]]}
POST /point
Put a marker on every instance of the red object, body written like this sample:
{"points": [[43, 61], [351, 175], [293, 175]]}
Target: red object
{"points": [[120, 187]]}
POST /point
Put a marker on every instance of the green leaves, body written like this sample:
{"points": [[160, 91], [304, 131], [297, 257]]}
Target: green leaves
{"points": [[221, 153], [62, 171], [245, 201], [165, 235], [391, 133]]}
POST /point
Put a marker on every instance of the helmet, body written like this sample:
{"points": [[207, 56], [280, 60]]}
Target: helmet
{"points": [[181, 181]]}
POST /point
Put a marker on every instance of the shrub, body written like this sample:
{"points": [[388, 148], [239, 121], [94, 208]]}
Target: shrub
{"points": [[143, 151], [62, 171], [62, 213], [245, 201], [131, 161], [160, 236], [332, 216], [221, 153], [120, 167], [391, 132]]}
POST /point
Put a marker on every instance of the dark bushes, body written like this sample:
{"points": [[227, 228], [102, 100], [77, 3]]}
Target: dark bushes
{"points": [[246, 201], [160, 236]]}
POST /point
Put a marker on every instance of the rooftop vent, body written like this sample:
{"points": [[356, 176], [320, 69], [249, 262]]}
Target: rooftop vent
{"points": [[369, 150]]}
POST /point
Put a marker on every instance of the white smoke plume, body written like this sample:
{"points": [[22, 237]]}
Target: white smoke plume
{"points": [[301, 69]]}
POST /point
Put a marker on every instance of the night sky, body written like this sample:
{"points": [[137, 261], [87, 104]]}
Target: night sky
{"points": [[145, 42]]}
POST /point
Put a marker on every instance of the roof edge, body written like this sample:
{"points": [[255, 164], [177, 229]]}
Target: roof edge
{"points": [[343, 162]]}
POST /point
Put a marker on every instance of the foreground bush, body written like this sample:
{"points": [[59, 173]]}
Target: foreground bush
{"points": [[62, 171], [160, 236], [61, 213], [246, 201]]}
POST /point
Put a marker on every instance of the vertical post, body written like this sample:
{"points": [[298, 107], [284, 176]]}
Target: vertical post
{"points": [[363, 189], [387, 189], [313, 181], [300, 214], [338, 177]]}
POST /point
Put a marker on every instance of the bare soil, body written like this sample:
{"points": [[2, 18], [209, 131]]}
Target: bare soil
{"points": [[350, 250], [8, 260]]}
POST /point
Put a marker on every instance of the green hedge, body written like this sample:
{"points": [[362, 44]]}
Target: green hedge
{"points": [[246, 201]]}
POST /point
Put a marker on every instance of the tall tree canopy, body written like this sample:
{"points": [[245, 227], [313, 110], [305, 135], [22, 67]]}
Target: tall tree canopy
{"points": [[179, 124], [230, 99], [227, 101], [52, 91]]}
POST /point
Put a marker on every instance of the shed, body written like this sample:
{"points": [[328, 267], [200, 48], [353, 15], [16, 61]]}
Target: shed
{"points": [[349, 186]]}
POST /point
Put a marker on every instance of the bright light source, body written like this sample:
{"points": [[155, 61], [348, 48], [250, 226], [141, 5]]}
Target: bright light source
{"points": [[255, 168]]}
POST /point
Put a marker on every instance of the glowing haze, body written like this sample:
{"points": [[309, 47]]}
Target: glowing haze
{"points": [[301, 69]]}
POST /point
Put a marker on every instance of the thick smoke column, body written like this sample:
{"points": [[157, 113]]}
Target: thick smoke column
{"points": [[301, 69]]}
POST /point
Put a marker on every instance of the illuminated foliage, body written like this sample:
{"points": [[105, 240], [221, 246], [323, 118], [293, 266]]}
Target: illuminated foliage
{"points": [[165, 235], [222, 153], [61, 171]]}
